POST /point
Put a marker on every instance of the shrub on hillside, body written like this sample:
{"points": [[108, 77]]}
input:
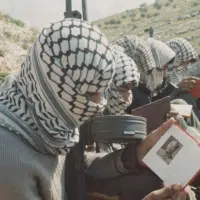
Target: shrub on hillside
{"points": [[142, 14], [8, 19], [124, 16], [195, 3], [156, 14], [157, 5], [148, 15], [179, 18], [2, 51], [134, 26], [34, 31], [113, 21], [132, 14], [167, 4], [143, 8], [7, 34]]}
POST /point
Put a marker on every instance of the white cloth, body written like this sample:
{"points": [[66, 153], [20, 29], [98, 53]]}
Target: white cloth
{"points": [[162, 53]]}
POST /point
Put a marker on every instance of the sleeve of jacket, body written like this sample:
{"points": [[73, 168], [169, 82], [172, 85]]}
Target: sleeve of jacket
{"points": [[104, 165]]}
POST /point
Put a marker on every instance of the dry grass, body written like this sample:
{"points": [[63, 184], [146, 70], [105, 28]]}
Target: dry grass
{"points": [[168, 20], [6, 18], [15, 40]]}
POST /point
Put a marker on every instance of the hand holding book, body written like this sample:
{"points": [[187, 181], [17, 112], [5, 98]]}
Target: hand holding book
{"points": [[148, 156], [134, 153], [188, 83], [168, 193], [174, 158], [147, 144]]}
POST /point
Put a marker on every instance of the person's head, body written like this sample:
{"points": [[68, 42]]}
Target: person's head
{"points": [[141, 53], [60, 85], [65, 72], [119, 95], [172, 146], [185, 52], [163, 55], [76, 14]]}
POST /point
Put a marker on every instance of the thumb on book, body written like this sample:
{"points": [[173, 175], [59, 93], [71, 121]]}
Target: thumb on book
{"points": [[153, 137], [165, 193], [148, 143]]}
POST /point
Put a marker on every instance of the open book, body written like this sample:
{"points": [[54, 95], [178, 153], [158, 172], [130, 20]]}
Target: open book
{"points": [[181, 109], [175, 157]]}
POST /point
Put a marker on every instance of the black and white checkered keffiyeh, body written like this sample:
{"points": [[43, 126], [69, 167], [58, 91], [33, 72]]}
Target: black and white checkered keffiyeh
{"points": [[139, 51], [126, 72], [48, 97], [183, 49], [185, 52]]}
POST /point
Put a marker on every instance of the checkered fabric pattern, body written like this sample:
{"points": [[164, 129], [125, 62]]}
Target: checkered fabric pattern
{"points": [[69, 60], [184, 53], [183, 49], [139, 51], [126, 72]]}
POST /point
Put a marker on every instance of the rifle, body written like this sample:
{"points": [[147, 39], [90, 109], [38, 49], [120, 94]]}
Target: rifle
{"points": [[75, 171], [76, 14], [98, 129], [75, 182]]}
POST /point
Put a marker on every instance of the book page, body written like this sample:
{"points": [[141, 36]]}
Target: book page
{"points": [[175, 157], [183, 110]]}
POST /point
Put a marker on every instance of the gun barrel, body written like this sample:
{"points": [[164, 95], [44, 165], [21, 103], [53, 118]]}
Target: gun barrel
{"points": [[68, 8], [84, 8]]}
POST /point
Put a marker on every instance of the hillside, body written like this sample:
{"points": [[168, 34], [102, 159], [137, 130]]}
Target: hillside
{"points": [[15, 40], [169, 18]]}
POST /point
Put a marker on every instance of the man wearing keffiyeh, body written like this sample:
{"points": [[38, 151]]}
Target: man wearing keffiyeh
{"points": [[127, 76], [121, 175], [157, 81], [119, 97], [151, 58], [59, 86], [139, 51], [181, 72], [185, 54]]}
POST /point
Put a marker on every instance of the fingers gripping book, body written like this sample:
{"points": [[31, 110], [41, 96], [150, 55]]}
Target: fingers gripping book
{"points": [[175, 158]]}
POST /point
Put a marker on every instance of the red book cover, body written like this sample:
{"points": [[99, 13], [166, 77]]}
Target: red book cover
{"points": [[195, 92]]}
